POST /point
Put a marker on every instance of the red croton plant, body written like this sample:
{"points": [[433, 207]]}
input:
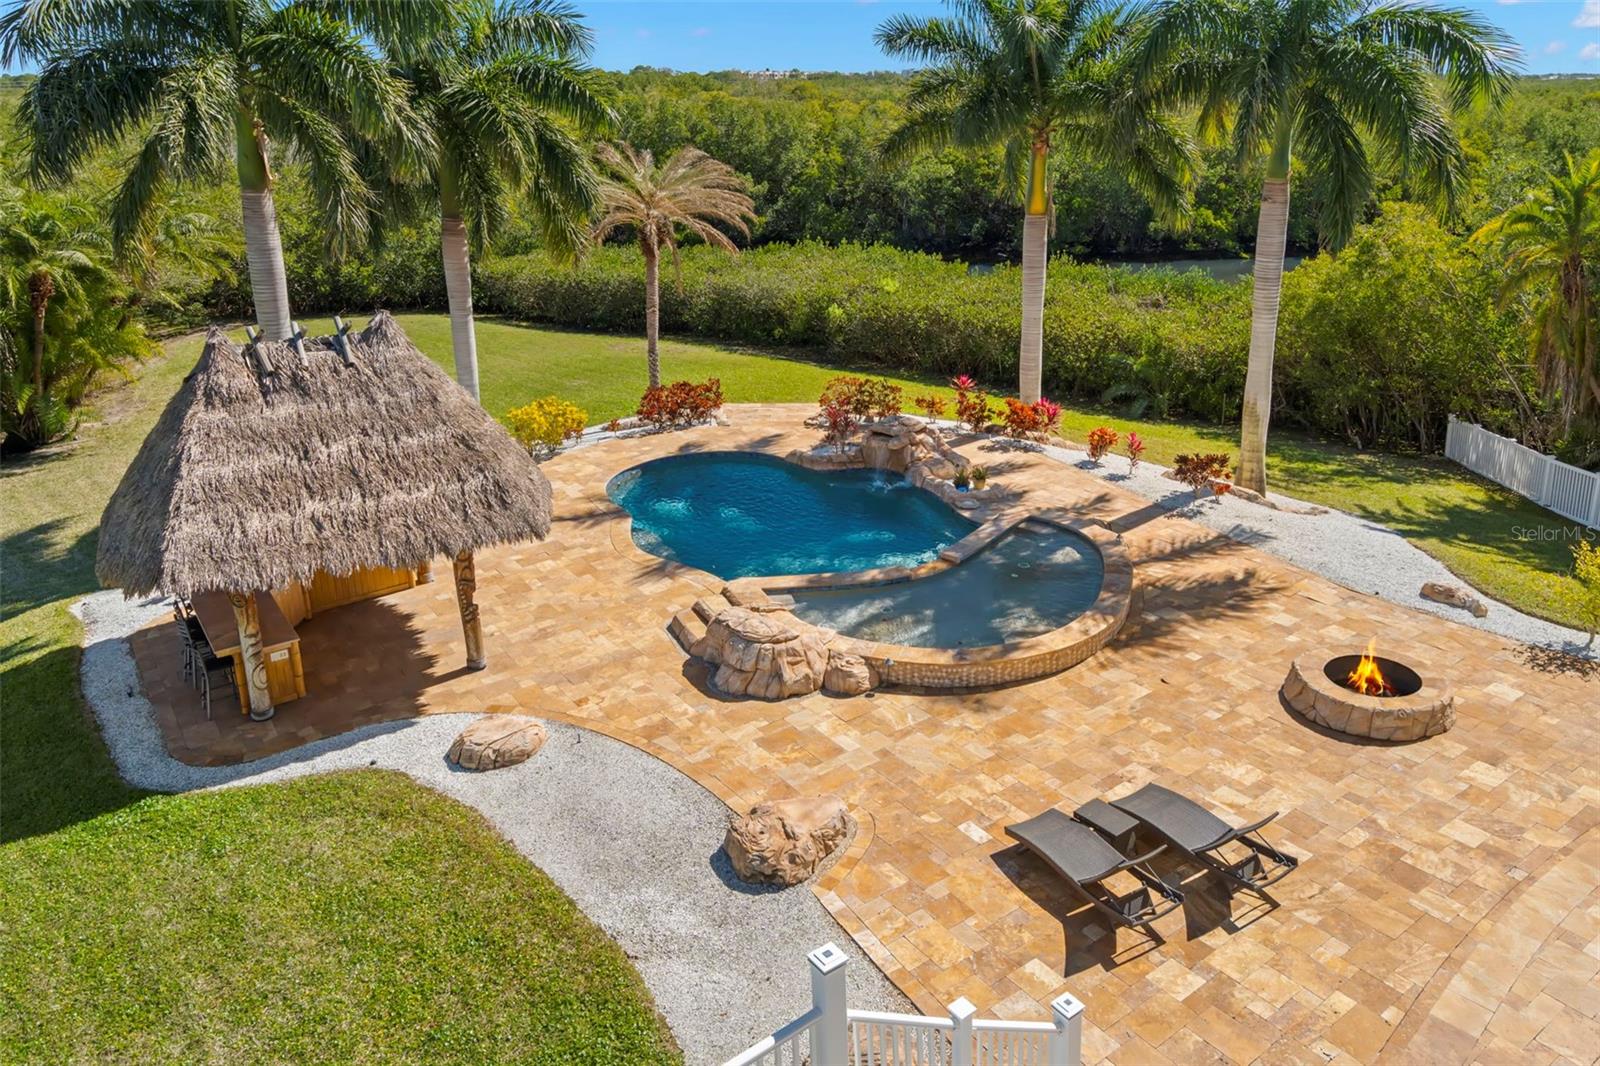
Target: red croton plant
{"points": [[682, 403]]}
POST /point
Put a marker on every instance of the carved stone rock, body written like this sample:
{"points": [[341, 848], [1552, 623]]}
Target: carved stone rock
{"points": [[766, 654], [849, 675], [1454, 596], [783, 842], [497, 740]]}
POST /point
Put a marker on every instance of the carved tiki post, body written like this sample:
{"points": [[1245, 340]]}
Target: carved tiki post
{"points": [[471, 626], [248, 616]]}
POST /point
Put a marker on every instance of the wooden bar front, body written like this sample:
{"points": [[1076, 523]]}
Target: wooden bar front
{"points": [[280, 644]]}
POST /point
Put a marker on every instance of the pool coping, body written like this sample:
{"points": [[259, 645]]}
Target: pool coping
{"points": [[943, 668]]}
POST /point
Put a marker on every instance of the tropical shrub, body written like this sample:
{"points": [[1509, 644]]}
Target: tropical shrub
{"points": [[1030, 421], [1202, 470], [839, 423], [682, 403], [1133, 447], [931, 406], [869, 399], [545, 424], [1586, 568], [1101, 440], [1381, 341]]}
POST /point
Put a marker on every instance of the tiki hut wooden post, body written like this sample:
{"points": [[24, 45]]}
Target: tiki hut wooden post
{"points": [[248, 616], [471, 625], [279, 463]]}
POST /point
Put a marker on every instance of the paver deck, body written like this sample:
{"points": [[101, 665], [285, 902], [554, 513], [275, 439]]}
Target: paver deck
{"points": [[1446, 907]]}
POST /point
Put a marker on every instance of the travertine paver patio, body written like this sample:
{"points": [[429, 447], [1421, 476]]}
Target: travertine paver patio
{"points": [[1446, 908]]}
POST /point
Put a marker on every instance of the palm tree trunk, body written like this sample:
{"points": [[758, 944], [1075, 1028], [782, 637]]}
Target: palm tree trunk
{"points": [[458, 286], [1035, 245], [263, 249], [1272, 232], [43, 288], [652, 309]]}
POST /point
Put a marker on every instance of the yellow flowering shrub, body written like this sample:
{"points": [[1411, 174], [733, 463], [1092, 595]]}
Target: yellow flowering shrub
{"points": [[542, 426], [1586, 568]]}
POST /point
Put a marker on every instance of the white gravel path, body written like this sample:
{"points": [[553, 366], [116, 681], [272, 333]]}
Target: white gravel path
{"points": [[634, 842], [1355, 552]]}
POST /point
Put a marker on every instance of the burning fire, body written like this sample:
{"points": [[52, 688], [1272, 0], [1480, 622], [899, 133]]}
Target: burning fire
{"points": [[1366, 678]]}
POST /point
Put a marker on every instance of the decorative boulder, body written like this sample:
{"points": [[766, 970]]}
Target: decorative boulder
{"points": [[783, 842], [497, 740], [849, 675], [1452, 596], [766, 654]]}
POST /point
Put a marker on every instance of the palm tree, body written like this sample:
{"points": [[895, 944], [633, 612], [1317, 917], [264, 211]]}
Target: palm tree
{"points": [[51, 252], [690, 190], [200, 79], [1033, 75], [1552, 241], [499, 93], [1320, 79]]}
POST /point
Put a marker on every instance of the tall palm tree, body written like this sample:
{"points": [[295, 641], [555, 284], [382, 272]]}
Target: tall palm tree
{"points": [[201, 80], [1034, 75], [1552, 241], [690, 190], [1320, 80], [503, 93]]}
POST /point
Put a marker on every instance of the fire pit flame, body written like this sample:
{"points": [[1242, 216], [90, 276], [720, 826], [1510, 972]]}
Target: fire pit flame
{"points": [[1367, 678]]}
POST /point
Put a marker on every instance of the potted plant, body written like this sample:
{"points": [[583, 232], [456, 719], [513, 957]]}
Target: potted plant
{"points": [[962, 480], [980, 477]]}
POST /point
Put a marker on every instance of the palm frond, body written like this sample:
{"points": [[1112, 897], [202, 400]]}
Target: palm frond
{"points": [[1476, 58]]}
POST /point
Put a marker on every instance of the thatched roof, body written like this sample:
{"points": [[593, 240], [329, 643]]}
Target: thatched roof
{"points": [[254, 480]]}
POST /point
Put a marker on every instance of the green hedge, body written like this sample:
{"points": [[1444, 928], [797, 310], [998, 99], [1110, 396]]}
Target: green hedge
{"points": [[1176, 341]]}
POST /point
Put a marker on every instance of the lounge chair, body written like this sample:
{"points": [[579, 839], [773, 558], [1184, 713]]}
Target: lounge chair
{"points": [[1078, 854], [1195, 831]]}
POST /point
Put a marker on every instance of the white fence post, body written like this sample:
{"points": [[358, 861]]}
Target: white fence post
{"points": [[1066, 1043], [961, 1012], [830, 1039]]}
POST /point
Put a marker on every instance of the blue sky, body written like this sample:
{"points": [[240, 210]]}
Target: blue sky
{"points": [[700, 35], [706, 35]]}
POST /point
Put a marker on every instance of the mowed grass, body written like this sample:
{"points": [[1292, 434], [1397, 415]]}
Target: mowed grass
{"points": [[356, 917], [1504, 545]]}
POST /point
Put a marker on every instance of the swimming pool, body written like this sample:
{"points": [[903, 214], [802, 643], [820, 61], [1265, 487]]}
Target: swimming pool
{"points": [[742, 515], [1035, 578]]}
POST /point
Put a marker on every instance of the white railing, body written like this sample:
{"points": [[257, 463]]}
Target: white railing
{"points": [[831, 1034], [1565, 489]]}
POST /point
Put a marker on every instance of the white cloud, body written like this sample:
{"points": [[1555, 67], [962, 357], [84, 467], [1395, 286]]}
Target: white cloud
{"points": [[1555, 48], [1589, 17], [1590, 52]]}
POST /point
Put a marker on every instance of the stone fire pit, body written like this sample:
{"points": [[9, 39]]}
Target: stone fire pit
{"points": [[1315, 687]]}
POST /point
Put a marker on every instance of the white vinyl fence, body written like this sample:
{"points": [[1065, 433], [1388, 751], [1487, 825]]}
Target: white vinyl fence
{"points": [[1561, 487], [831, 1034]]}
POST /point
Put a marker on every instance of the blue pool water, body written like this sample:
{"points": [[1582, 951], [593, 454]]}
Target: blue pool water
{"points": [[1035, 578], [738, 515]]}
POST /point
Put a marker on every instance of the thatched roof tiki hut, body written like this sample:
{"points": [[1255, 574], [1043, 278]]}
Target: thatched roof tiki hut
{"points": [[284, 464]]}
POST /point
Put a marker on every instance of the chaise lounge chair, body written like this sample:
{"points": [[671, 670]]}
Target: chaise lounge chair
{"points": [[1078, 854], [1197, 832]]}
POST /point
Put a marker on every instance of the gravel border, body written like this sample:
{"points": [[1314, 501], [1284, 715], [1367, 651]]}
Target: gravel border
{"points": [[634, 842]]}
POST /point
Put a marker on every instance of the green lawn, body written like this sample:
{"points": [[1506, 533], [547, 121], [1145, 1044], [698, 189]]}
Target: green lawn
{"points": [[358, 917], [1473, 526]]}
